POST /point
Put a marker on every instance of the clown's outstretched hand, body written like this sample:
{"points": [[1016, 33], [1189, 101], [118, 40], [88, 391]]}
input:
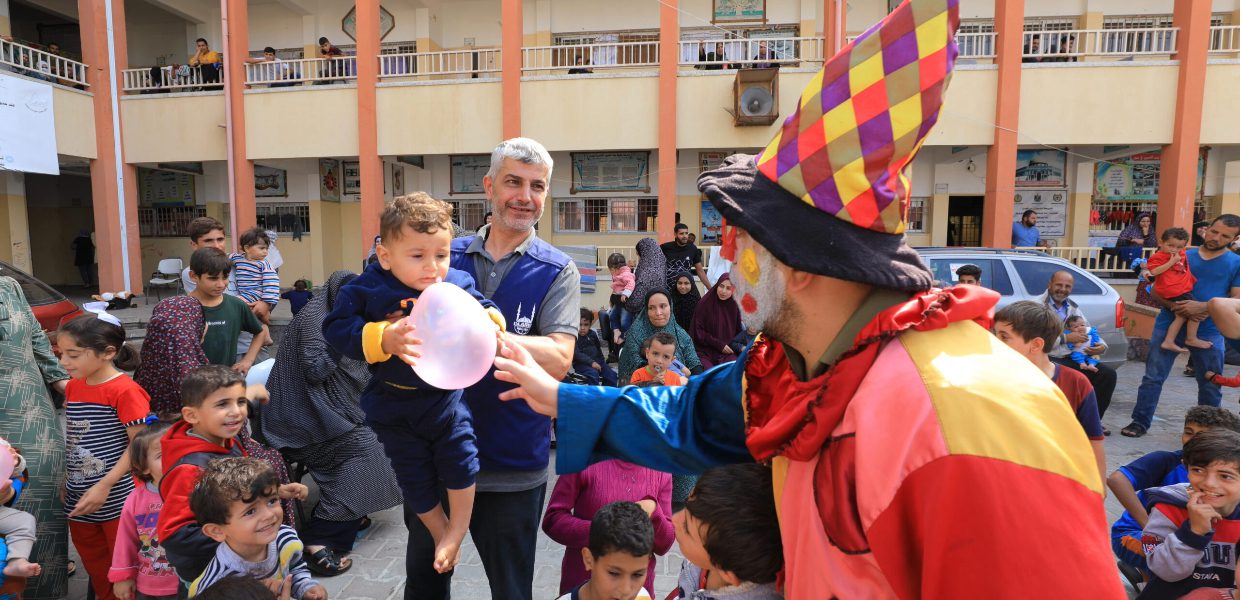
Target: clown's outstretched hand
{"points": [[539, 389]]}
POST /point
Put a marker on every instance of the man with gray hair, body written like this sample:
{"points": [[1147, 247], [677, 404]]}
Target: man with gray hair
{"points": [[537, 287]]}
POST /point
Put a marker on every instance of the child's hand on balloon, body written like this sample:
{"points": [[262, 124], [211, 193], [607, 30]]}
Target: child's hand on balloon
{"points": [[399, 340]]}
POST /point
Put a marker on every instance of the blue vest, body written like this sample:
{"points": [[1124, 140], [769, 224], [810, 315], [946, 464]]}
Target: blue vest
{"points": [[511, 437]]}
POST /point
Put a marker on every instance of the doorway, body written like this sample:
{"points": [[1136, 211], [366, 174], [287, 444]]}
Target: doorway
{"points": [[964, 220]]}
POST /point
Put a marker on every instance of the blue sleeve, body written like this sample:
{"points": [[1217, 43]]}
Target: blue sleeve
{"points": [[343, 326], [1087, 415], [672, 429], [466, 282], [1150, 470]]}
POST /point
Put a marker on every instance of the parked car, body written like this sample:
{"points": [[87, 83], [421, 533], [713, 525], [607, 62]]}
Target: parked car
{"points": [[50, 306], [1024, 275]]}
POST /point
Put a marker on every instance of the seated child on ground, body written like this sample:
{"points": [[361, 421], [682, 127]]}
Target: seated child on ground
{"points": [[1173, 282], [298, 296], [256, 280], [237, 505], [659, 351], [17, 527], [1191, 535], [1078, 324], [588, 358], [618, 555], [214, 412], [1159, 468], [426, 432], [729, 535], [139, 561]]}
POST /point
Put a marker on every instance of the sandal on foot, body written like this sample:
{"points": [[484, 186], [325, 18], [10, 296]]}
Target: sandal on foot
{"points": [[1133, 430], [325, 563], [364, 526]]}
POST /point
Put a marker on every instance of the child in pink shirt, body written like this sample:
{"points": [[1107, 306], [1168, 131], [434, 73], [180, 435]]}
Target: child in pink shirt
{"points": [[577, 496], [138, 559], [622, 284]]}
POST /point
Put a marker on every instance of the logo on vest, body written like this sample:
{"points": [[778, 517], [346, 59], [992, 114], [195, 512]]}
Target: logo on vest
{"points": [[522, 325]]}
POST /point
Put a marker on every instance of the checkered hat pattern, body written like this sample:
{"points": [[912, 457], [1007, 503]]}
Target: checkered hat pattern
{"points": [[864, 116]]}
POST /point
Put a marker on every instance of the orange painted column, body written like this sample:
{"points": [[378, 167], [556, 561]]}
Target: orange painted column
{"points": [[513, 32], [116, 246], [368, 120], [669, 59], [1000, 201], [243, 213], [834, 29], [1177, 186]]}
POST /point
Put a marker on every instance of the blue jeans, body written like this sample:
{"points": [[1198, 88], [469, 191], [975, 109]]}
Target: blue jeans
{"points": [[1158, 366], [619, 318], [606, 377]]}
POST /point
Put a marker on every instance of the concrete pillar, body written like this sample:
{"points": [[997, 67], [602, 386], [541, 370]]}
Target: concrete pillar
{"points": [[6, 26], [367, 119], [14, 226], [542, 23], [1229, 200], [1177, 186], [513, 27], [669, 71], [1080, 202], [1001, 159], [240, 169]]}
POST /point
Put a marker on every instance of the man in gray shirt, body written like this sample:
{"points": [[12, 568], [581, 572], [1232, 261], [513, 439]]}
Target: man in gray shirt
{"points": [[537, 287]]}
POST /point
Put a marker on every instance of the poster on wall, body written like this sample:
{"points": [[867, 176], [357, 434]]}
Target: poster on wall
{"points": [[398, 180], [739, 11], [1052, 209], [712, 225], [352, 178], [27, 127], [270, 183], [1041, 168], [164, 188], [710, 160], [1136, 177], [329, 180], [466, 172], [611, 172]]}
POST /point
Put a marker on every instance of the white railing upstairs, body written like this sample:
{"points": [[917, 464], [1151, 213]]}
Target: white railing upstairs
{"points": [[1072, 44], [587, 58], [1225, 38], [42, 65], [169, 79], [337, 69], [463, 64], [706, 54], [976, 45]]}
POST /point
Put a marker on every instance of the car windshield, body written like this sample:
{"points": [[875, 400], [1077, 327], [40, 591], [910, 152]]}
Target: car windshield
{"points": [[37, 293], [1036, 275], [994, 274]]}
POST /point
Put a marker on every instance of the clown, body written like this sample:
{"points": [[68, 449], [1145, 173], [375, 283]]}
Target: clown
{"points": [[913, 455]]}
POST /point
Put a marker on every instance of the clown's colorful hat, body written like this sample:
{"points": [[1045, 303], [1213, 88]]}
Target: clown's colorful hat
{"points": [[833, 177]]}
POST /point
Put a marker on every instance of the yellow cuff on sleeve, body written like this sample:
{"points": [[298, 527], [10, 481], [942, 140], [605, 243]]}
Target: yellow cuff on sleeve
{"points": [[498, 318], [372, 342]]}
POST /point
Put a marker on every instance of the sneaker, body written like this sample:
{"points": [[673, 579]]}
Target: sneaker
{"points": [[1132, 574]]}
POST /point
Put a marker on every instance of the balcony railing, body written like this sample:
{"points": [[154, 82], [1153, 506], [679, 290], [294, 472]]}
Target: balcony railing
{"points": [[1072, 44], [750, 52], [42, 65], [462, 64], [590, 57], [1225, 38], [338, 69], [169, 79]]}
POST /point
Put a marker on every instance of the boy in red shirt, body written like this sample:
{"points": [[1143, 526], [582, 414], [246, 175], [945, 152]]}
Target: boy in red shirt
{"points": [[1174, 282]]}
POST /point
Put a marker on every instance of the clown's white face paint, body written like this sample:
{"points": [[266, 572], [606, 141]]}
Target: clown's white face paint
{"points": [[759, 286]]}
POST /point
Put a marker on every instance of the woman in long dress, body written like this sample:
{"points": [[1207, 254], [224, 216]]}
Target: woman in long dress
{"points": [[28, 421]]}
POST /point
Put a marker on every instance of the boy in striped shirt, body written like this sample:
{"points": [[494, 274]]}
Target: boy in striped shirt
{"points": [[255, 278]]}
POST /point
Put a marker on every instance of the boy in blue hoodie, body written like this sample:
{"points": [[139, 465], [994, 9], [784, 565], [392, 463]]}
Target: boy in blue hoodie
{"points": [[426, 432], [1190, 539]]}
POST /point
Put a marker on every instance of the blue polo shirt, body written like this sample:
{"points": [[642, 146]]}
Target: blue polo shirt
{"points": [[1025, 236], [1215, 278]]}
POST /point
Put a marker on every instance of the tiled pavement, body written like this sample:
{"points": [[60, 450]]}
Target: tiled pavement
{"points": [[378, 571]]}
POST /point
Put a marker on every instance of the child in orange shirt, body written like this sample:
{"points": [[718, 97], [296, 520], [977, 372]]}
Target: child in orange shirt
{"points": [[659, 350]]}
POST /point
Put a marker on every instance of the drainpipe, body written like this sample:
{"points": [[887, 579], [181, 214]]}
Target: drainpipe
{"points": [[228, 131]]}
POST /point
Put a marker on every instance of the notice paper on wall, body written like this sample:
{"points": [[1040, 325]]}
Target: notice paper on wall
{"points": [[27, 127]]}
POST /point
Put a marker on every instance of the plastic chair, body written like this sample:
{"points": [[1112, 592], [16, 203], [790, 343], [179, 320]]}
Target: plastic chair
{"points": [[168, 274]]}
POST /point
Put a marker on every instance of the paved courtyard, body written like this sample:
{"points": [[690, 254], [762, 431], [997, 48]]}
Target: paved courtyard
{"points": [[379, 567]]}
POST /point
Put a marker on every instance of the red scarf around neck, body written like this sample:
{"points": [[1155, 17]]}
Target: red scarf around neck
{"points": [[793, 418]]}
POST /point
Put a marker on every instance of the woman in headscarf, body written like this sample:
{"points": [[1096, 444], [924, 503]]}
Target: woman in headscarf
{"points": [[1139, 233], [716, 323], [685, 298], [656, 317], [314, 418], [28, 421]]}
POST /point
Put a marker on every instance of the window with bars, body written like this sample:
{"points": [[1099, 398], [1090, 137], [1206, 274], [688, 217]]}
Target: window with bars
{"points": [[606, 215], [469, 214], [284, 218], [167, 221], [916, 215]]}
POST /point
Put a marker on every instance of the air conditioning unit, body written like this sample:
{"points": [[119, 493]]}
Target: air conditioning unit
{"points": [[755, 97]]}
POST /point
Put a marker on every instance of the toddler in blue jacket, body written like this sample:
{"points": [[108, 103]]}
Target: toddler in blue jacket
{"points": [[426, 432]]}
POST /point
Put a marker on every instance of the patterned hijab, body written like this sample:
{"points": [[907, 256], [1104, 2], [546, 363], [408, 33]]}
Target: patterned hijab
{"points": [[631, 358], [1132, 232], [172, 348], [314, 390]]}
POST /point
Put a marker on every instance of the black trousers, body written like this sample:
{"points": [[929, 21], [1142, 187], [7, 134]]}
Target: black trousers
{"points": [[504, 528], [1103, 381]]}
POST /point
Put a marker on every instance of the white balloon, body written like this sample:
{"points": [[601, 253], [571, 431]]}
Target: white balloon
{"points": [[458, 337]]}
